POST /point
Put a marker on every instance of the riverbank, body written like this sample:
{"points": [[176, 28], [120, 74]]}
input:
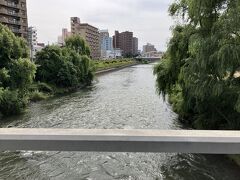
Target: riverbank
{"points": [[43, 91]]}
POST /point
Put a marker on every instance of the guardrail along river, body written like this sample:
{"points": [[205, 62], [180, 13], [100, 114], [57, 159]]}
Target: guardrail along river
{"points": [[124, 99]]}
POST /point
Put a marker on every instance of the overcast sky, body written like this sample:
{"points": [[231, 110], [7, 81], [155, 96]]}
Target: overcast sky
{"points": [[148, 19]]}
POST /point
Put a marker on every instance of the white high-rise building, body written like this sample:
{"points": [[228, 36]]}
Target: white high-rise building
{"points": [[32, 41], [32, 36]]}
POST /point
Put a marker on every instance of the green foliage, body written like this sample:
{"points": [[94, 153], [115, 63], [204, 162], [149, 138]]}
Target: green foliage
{"points": [[22, 73], [11, 102], [203, 56], [37, 96], [4, 77], [11, 47], [43, 87], [87, 70], [108, 64], [78, 44], [65, 67], [16, 73]]}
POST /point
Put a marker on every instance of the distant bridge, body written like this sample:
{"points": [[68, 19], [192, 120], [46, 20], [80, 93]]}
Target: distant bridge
{"points": [[150, 56], [150, 59]]}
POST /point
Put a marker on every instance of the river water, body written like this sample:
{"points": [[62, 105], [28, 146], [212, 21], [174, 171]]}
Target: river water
{"points": [[125, 99]]}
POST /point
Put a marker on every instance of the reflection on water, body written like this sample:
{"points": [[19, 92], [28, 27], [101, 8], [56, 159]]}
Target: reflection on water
{"points": [[124, 99]]}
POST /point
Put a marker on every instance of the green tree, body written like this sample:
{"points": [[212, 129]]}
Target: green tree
{"points": [[78, 44], [87, 70], [11, 47], [17, 72], [22, 73], [64, 67], [199, 71]]}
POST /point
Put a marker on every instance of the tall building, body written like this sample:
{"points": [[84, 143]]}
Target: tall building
{"points": [[106, 44], [33, 42], [135, 46], [65, 34], [89, 33], [63, 37], [149, 48], [124, 41], [106, 41], [13, 13], [32, 36], [116, 40]]}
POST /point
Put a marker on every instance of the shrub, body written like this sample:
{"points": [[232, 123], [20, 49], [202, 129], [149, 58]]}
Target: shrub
{"points": [[37, 96], [44, 87], [11, 102]]}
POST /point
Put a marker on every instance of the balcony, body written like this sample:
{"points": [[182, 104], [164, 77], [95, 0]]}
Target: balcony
{"points": [[13, 21], [9, 13], [10, 4], [3, 20], [15, 30]]}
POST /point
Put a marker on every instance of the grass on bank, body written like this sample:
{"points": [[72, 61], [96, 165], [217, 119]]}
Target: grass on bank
{"points": [[38, 96], [116, 63], [40, 91]]}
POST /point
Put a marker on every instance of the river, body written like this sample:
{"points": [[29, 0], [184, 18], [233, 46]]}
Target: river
{"points": [[124, 99]]}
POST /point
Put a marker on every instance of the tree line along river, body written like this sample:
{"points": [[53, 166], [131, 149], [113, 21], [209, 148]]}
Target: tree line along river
{"points": [[124, 99]]}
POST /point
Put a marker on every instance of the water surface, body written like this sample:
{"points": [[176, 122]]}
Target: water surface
{"points": [[124, 99]]}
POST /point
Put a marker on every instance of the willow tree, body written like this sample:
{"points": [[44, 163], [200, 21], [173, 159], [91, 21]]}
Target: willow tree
{"points": [[199, 73], [78, 44]]}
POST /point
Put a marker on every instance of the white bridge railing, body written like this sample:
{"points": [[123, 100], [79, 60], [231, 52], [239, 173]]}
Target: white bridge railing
{"points": [[154, 141]]}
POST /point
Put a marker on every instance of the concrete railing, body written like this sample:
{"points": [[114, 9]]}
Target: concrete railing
{"points": [[156, 141]]}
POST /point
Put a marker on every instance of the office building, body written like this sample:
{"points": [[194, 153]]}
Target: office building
{"points": [[106, 44], [13, 13], [89, 33]]}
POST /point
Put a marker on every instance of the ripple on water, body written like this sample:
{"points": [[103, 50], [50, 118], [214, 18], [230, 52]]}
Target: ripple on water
{"points": [[124, 99]]}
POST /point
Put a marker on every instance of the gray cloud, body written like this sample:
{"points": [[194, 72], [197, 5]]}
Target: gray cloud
{"points": [[148, 19]]}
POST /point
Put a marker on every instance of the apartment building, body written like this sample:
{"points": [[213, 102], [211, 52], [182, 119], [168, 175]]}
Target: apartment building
{"points": [[32, 36], [13, 13], [34, 45], [126, 42], [89, 33], [32, 40]]}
